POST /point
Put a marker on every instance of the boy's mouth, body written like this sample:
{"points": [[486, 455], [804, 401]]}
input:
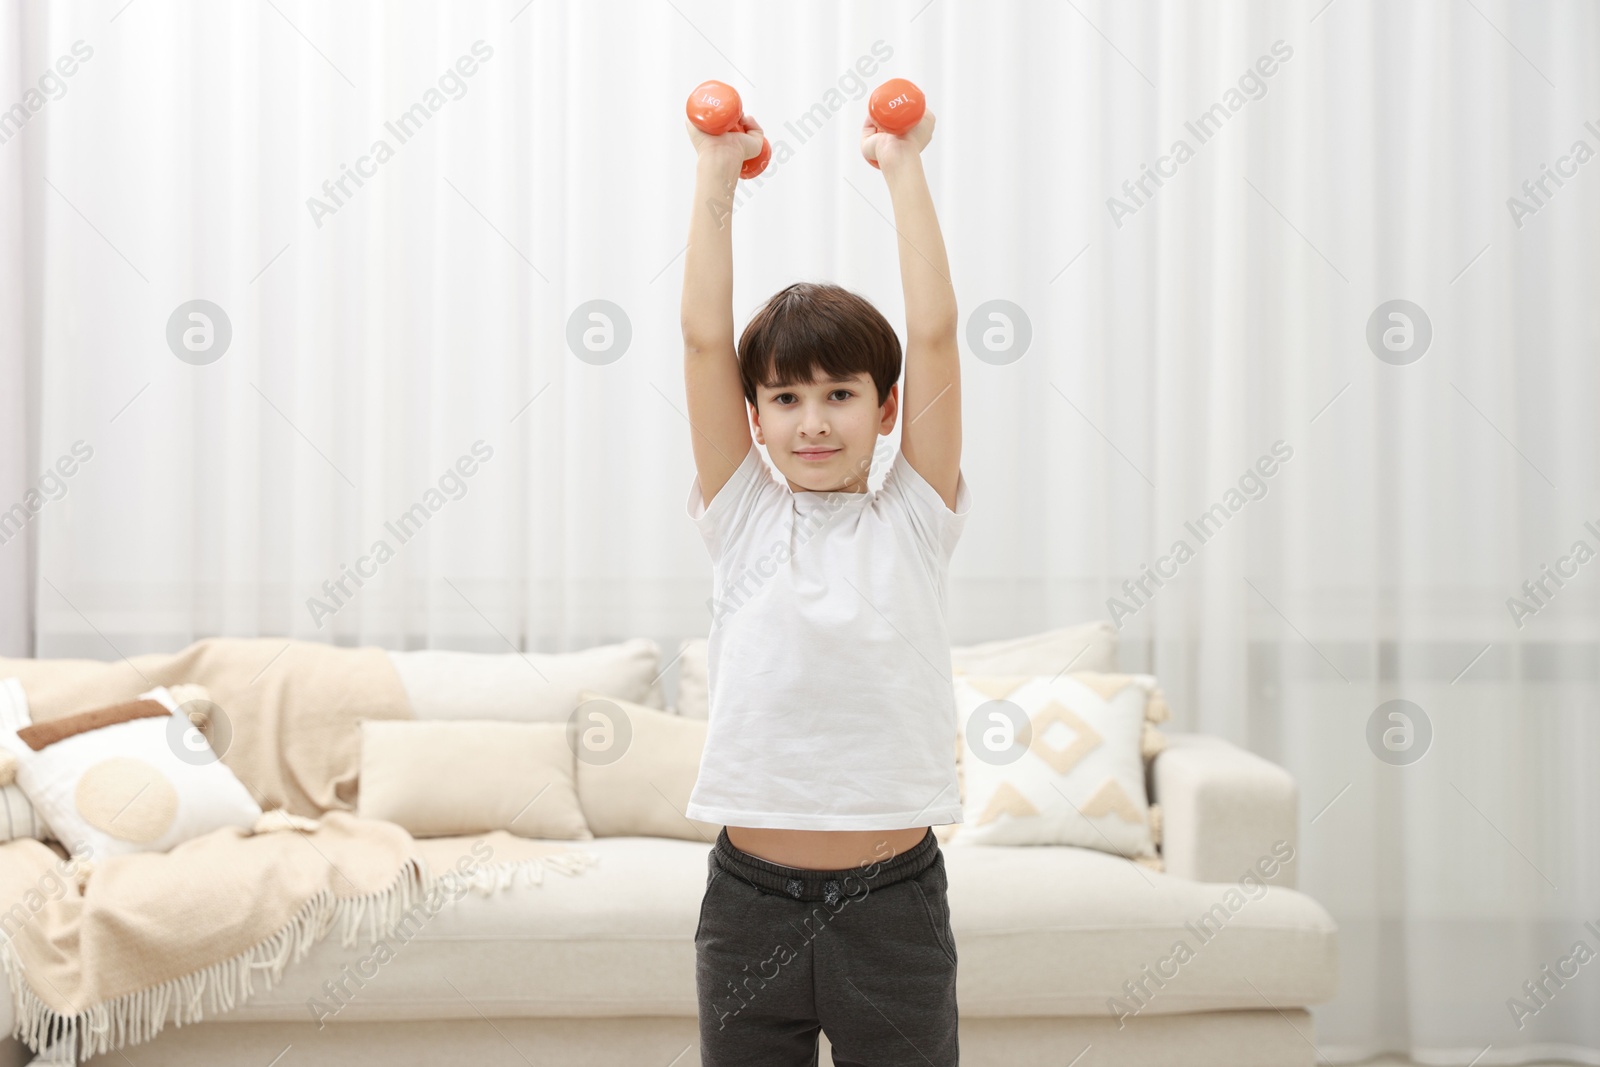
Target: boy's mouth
{"points": [[816, 454]]}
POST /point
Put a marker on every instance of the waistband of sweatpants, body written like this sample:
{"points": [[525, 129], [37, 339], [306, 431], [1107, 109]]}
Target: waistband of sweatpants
{"points": [[802, 883]]}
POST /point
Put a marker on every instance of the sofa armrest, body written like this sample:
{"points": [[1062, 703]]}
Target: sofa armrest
{"points": [[1225, 812]]}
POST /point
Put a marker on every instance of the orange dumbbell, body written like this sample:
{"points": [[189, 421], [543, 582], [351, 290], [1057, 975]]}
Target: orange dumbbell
{"points": [[896, 106], [714, 107]]}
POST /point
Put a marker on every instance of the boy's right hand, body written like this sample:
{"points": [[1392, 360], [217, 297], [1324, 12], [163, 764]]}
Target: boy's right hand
{"points": [[740, 146]]}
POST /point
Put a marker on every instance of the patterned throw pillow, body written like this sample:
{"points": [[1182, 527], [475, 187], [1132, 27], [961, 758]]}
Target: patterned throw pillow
{"points": [[134, 777], [1059, 760]]}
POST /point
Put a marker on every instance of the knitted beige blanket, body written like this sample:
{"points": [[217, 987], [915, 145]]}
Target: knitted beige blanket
{"points": [[102, 954]]}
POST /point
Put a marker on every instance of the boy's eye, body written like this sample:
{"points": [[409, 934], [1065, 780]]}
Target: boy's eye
{"points": [[784, 398]]}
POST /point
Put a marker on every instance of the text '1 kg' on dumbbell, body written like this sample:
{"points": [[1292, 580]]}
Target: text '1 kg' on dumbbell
{"points": [[895, 107], [715, 108]]}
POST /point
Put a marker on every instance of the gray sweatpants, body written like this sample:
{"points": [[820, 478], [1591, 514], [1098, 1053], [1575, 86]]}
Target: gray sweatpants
{"points": [[865, 954]]}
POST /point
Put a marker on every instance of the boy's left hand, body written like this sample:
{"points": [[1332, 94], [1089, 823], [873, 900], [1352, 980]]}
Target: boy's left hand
{"points": [[877, 144]]}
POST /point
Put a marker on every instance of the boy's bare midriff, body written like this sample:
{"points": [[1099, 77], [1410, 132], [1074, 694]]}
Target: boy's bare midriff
{"points": [[825, 850]]}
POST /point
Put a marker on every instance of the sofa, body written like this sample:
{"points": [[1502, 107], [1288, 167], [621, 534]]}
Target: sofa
{"points": [[1212, 960]]}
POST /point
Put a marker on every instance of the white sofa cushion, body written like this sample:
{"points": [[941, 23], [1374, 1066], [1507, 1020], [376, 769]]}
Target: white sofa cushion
{"points": [[526, 687], [1089, 646], [694, 691], [1041, 931], [18, 817]]}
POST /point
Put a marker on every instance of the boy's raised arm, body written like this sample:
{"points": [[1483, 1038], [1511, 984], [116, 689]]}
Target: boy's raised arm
{"points": [[719, 426], [930, 400]]}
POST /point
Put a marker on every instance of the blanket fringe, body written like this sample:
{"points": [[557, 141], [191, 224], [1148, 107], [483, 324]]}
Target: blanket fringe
{"points": [[490, 878], [138, 1017]]}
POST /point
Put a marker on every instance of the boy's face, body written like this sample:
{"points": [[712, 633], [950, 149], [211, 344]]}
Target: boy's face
{"points": [[821, 434]]}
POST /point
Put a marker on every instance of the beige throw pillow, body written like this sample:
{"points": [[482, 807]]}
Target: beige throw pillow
{"points": [[453, 778], [636, 768]]}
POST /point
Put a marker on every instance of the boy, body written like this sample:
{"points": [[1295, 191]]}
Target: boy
{"points": [[829, 752]]}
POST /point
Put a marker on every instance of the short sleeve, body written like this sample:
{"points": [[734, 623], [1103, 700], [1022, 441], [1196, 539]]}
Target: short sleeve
{"points": [[936, 526], [730, 510]]}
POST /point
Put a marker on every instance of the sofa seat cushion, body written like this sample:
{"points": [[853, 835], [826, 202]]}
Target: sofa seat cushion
{"points": [[1040, 930]]}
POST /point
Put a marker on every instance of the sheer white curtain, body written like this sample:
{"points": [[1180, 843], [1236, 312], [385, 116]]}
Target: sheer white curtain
{"points": [[1198, 370]]}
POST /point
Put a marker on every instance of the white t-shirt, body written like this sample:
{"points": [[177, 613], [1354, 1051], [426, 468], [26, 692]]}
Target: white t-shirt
{"points": [[831, 702]]}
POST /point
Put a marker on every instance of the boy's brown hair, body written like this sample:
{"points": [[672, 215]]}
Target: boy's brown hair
{"points": [[807, 330]]}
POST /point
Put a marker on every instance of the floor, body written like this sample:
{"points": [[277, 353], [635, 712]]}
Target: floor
{"points": [[1391, 1062]]}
